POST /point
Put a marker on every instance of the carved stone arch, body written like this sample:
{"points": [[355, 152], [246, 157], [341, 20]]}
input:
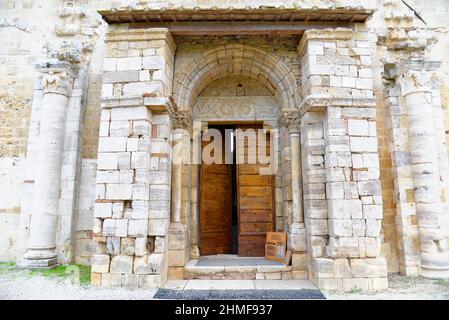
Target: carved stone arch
{"points": [[238, 60]]}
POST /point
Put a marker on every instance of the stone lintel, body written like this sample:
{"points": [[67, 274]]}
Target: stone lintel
{"points": [[319, 103], [158, 104]]}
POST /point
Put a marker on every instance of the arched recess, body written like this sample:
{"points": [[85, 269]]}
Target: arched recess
{"points": [[236, 59]]}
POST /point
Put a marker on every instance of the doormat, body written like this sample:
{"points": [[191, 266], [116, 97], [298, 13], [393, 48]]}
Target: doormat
{"points": [[171, 294]]}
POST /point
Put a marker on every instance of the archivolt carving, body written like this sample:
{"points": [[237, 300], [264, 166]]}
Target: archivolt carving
{"points": [[236, 59]]}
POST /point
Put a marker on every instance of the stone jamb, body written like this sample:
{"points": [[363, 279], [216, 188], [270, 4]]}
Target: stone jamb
{"points": [[343, 231], [132, 210]]}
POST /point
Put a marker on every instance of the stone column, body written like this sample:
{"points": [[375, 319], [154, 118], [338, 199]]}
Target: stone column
{"points": [[176, 184], [178, 236], [195, 198], [291, 120], [57, 82], [415, 81], [182, 124]]}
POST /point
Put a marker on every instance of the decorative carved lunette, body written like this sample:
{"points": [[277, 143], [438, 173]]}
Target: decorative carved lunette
{"points": [[291, 119], [230, 108]]}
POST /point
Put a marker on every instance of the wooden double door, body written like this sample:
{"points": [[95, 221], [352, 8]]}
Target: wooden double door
{"points": [[236, 200]]}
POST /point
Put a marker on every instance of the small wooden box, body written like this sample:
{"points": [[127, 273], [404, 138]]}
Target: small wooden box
{"points": [[276, 246]]}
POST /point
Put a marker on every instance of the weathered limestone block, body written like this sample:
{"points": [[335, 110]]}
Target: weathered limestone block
{"points": [[113, 245], [128, 246], [122, 264], [369, 268], [100, 263], [149, 281], [107, 161], [103, 210], [138, 228], [141, 246], [130, 281], [158, 227], [109, 227]]}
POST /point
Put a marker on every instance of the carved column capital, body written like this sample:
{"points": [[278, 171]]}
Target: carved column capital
{"points": [[415, 75], [415, 81], [57, 77], [291, 120], [182, 119]]}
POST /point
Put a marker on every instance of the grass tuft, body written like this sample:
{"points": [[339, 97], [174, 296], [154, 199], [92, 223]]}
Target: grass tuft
{"points": [[442, 282], [355, 290], [65, 272], [74, 273]]}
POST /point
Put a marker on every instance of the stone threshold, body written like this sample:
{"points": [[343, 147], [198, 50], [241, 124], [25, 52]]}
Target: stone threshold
{"points": [[230, 267], [238, 285]]}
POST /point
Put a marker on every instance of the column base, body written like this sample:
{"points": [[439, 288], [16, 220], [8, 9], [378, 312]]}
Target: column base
{"points": [[297, 237], [432, 272], [37, 264], [38, 258], [178, 245], [177, 227], [194, 252]]}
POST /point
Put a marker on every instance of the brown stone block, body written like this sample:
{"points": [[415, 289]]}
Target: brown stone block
{"points": [[175, 273], [95, 279]]}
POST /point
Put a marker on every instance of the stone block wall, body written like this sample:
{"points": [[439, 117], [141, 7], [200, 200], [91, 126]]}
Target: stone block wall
{"points": [[132, 206], [343, 205]]}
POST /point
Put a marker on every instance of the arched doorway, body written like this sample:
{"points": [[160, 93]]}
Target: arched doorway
{"points": [[272, 93], [236, 196]]}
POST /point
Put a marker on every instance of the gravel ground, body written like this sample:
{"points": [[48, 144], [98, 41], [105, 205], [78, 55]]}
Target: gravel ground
{"points": [[19, 284], [400, 288]]}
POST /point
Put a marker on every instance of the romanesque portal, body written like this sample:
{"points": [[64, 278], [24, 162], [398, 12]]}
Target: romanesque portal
{"points": [[351, 116]]}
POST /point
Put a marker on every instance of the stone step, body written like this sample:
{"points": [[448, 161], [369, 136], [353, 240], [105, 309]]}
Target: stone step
{"points": [[193, 271]]}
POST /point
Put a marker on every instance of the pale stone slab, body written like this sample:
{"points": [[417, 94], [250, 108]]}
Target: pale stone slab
{"points": [[283, 284], [219, 285], [175, 284]]}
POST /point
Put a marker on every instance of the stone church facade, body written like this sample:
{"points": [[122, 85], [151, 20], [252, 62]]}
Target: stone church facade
{"points": [[98, 100]]}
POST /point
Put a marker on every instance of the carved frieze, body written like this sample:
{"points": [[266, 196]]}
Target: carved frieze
{"points": [[236, 108]]}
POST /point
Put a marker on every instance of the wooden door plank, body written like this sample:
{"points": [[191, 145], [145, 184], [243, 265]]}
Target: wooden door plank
{"points": [[255, 202], [215, 207]]}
